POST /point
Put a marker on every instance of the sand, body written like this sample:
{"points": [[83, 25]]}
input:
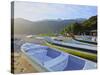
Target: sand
{"points": [[21, 65]]}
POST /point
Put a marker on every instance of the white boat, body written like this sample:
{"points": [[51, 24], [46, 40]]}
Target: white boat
{"points": [[49, 59]]}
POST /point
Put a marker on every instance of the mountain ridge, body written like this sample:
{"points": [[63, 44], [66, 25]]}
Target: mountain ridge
{"points": [[23, 26]]}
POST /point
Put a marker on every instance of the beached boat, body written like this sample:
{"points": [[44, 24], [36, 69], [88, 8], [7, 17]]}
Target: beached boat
{"points": [[49, 59], [74, 45], [87, 39]]}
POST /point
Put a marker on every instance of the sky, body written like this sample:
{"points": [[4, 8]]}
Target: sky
{"points": [[35, 11]]}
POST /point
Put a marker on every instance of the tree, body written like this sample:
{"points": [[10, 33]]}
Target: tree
{"points": [[72, 29], [90, 24], [76, 28]]}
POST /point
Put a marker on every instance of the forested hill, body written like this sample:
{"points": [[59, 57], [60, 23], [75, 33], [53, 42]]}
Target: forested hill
{"points": [[23, 26], [91, 23], [77, 28]]}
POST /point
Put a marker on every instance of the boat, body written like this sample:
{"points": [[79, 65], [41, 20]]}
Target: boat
{"points": [[47, 59], [74, 45], [87, 39]]}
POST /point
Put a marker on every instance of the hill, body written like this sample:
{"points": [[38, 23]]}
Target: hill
{"points": [[23, 26]]}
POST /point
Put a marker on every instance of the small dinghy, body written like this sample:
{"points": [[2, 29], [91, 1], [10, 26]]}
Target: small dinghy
{"points": [[51, 59]]}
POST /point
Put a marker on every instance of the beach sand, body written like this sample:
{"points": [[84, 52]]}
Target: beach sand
{"points": [[21, 65]]}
